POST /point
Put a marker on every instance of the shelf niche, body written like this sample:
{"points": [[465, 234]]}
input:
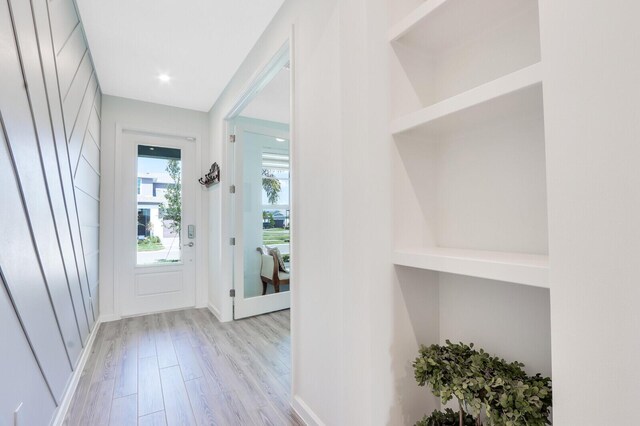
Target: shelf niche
{"points": [[444, 48], [509, 321], [512, 322], [475, 180]]}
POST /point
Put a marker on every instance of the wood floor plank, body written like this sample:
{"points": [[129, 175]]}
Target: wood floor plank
{"points": [[206, 325], [177, 406], [126, 371], [107, 360], [233, 410], [124, 411], [146, 336], [98, 405], [213, 369], [247, 389], [196, 335], [154, 419], [282, 319], [263, 351], [164, 345], [203, 397], [149, 386], [269, 331], [110, 330], [265, 416], [187, 359], [178, 325], [277, 396]]}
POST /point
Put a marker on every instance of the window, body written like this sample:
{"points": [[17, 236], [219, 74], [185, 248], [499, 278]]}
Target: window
{"points": [[275, 198], [159, 218]]}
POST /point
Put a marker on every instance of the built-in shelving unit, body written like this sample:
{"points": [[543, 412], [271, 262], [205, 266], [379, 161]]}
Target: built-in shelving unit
{"points": [[468, 127], [470, 204]]}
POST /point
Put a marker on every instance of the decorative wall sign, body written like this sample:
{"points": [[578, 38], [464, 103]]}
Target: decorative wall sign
{"points": [[212, 177]]}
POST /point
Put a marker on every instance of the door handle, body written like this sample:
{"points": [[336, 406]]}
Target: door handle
{"points": [[189, 244]]}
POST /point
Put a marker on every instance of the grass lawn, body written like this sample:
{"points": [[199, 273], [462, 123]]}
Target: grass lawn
{"points": [[275, 236], [149, 246]]}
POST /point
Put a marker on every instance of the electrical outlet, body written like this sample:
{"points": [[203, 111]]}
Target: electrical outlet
{"points": [[16, 416]]}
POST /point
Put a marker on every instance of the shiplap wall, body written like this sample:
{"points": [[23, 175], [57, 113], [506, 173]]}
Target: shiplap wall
{"points": [[49, 204]]}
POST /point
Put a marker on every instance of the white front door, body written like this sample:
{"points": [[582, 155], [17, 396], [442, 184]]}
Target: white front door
{"points": [[158, 236]]}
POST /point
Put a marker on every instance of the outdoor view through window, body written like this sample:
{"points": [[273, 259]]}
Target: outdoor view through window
{"points": [[159, 205], [275, 201]]}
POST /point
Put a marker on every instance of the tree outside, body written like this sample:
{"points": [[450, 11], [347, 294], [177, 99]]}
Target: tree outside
{"points": [[271, 186], [171, 209]]}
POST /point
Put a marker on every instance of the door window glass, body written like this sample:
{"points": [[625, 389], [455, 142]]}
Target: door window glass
{"points": [[159, 205]]}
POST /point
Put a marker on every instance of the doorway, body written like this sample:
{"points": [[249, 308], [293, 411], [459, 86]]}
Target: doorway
{"points": [[261, 208], [158, 233]]}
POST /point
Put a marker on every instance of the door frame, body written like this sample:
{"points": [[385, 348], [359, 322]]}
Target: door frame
{"points": [[120, 232], [262, 77]]}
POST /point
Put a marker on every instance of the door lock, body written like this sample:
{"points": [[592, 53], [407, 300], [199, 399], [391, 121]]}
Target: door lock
{"points": [[189, 244]]}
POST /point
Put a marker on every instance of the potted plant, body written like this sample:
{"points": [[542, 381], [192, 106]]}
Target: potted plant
{"points": [[487, 388]]}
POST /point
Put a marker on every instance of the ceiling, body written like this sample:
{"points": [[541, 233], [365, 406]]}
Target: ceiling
{"points": [[199, 44], [272, 103]]}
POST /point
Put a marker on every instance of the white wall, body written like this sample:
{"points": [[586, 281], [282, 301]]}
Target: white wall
{"points": [[592, 98], [344, 349], [507, 320], [159, 119]]}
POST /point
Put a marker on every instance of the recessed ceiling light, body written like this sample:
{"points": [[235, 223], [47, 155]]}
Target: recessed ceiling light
{"points": [[164, 78], [281, 140]]}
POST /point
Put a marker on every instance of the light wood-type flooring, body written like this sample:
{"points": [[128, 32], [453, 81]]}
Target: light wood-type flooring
{"points": [[187, 368]]}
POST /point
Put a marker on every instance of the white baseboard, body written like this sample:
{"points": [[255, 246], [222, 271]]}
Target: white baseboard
{"points": [[305, 413], [215, 312], [61, 413]]}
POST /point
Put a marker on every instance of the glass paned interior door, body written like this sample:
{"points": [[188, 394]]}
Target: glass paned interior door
{"points": [[159, 205], [266, 214]]}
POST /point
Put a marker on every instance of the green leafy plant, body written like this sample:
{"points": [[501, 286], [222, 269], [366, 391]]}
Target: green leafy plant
{"points": [[171, 210], [268, 218], [484, 384], [447, 417], [525, 401], [271, 186]]}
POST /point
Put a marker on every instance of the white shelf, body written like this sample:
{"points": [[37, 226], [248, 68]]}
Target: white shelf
{"points": [[517, 268], [510, 84], [439, 24]]}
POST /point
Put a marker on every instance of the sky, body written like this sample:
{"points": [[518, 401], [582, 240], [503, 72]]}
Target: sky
{"points": [[151, 165]]}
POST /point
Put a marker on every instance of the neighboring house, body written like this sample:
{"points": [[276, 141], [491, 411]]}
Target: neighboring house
{"points": [[151, 194], [279, 220]]}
